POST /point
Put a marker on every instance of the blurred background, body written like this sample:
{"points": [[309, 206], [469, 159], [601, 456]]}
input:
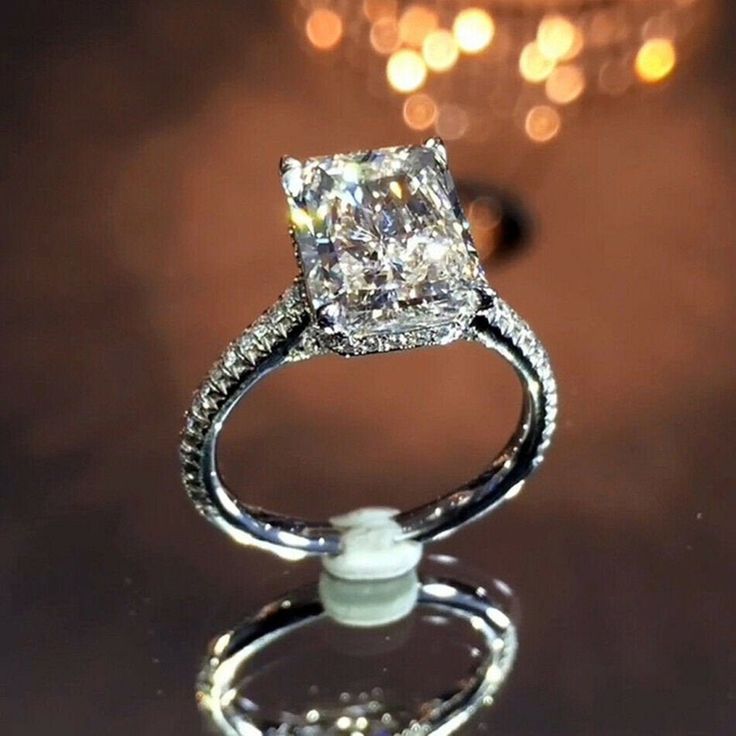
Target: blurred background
{"points": [[143, 227]]}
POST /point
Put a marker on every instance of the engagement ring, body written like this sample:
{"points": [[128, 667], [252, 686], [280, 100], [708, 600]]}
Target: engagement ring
{"points": [[387, 263]]}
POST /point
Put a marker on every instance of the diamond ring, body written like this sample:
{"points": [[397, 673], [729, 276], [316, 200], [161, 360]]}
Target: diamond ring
{"points": [[387, 263]]}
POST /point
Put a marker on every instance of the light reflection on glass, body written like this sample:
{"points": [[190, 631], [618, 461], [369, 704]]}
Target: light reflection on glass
{"points": [[295, 669]]}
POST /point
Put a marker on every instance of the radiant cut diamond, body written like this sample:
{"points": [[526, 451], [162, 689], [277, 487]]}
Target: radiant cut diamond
{"points": [[383, 244]]}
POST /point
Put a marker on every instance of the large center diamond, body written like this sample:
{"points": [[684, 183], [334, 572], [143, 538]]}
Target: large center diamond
{"points": [[383, 243]]}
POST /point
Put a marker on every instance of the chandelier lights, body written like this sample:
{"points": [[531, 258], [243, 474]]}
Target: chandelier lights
{"points": [[458, 68]]}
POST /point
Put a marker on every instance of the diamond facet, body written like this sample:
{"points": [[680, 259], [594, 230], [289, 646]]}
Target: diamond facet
{"points": [[383, 243]]}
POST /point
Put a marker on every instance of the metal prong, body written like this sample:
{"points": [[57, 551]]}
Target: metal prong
{"points": [[325, 318], [437, 145], [287, 163], [291, 175]]}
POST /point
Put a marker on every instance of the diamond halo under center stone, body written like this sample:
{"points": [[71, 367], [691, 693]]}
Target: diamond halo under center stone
{"points": [[384, 247]]}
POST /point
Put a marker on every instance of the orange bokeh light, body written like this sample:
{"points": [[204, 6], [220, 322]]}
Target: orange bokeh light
{"points": [[420, 111], [542, 123], [416, 23], [565, 84], [376, 9], [324, 29], [384, 35]]}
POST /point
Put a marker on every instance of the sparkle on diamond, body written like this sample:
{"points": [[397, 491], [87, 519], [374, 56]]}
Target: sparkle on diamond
{"points": [[383, 243]]}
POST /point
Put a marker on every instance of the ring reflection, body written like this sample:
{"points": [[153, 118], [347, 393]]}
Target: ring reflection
{"points": [[293, 669]]}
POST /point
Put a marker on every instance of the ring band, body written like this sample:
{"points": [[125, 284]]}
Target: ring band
{"points": [[293, 330], [285, 334]]}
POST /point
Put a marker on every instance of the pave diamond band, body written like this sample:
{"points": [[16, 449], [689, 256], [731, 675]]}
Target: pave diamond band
{"points": [[387, 263], [286, 334]]}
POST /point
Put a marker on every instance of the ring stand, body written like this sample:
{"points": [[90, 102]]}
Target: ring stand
{"points": [[373, 581]]}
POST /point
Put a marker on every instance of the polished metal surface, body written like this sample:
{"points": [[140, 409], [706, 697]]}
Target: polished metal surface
{"points": [[286, 334]]}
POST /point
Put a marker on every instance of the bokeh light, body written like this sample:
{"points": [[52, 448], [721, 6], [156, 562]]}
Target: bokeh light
{"points": [[542, 123], [602, 29], [420, 111], [661, 25], [324, 29], [440, 50], [534, 66], [565, 84], [406, 70], [416, 23], [452, 122], [577, 45], [484, 217], [456, 59], [615, 76], [474, 29], [655, 60], [384, 35], [555, 36], [376, 9]]}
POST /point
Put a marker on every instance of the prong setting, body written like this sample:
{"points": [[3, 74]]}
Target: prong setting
{"points": [[386, 259], [325, 318], [437, 145], [290, 169]]}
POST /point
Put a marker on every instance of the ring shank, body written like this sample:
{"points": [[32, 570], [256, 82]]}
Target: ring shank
{"points": [[285, 334]]}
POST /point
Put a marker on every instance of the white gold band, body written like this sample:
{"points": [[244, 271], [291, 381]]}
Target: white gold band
{"points": [[286, 333]]}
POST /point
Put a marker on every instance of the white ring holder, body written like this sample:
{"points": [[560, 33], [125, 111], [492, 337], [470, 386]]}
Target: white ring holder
{"points": [[373, 581]]}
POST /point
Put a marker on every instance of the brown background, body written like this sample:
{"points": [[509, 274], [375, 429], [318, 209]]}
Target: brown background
{"points": [[143, 227]]}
